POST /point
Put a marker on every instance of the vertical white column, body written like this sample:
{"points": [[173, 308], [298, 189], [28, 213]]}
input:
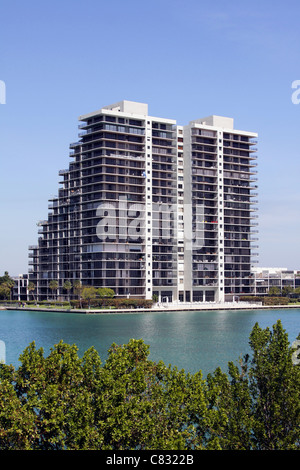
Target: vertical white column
{"points": [[221, 257], [148, 207], [19, 288], [180, 212], [187, 215]]}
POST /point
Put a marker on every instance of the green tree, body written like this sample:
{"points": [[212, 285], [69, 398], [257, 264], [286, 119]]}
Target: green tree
{"points": [[67, 286], [63, 401], [53, 285], [6, 286], [4, 291], [17, 428], [286, 291], [105, 292], [297, 291], [31, 288], [274, 291], [73, 403], [6, 278], [89, 293], [48, 388], [275, 389], [78, 287], [230, 404]]}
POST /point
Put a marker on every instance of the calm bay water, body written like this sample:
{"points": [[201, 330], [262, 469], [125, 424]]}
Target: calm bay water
{"points": [[189, 340]]}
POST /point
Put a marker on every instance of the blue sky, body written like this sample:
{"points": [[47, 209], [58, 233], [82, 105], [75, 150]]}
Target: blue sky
{"points": [[187, 60]]}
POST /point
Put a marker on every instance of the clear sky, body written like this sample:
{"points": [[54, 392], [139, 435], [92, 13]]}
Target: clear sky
{"points": [[186, 59]]}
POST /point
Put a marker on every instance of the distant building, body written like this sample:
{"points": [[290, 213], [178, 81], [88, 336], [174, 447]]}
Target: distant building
{"points": [[265, 278], [20, 291], [148, 207]]}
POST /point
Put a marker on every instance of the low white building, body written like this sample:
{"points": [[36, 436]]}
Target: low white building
{"points": [[265, 278], [20, 290]]}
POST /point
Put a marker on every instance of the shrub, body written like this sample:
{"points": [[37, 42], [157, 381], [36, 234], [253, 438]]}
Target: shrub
{"points": [[251, 298], [276, 300], [112, 303]]}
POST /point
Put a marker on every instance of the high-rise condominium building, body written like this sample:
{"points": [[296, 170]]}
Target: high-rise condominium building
{"points": [[148, 208]]}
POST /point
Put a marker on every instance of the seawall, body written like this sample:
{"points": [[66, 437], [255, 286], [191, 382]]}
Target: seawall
{"points": [[168, 308]]}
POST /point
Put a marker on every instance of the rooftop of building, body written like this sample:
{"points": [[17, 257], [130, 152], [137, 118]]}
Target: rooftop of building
{"points": [[137, 109]]}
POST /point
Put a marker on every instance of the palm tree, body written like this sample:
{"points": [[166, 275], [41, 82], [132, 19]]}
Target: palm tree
{"points": [[31, 288], [67, 286], [53, 285], [78, 287]]}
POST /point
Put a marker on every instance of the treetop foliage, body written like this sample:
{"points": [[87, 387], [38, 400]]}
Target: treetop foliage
{"points": [[63, 401], [6, 285]]}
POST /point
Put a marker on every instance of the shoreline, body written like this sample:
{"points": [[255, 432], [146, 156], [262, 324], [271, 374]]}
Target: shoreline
{"points": [[160, 309]]}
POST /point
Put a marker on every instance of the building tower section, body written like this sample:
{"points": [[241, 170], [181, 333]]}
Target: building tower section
{"points": [[111, 224], [219, 180], [240, 211], [112, 213], [164, 210]]}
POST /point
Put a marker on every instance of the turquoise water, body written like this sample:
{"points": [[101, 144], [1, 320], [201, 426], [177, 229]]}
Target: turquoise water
{"points": [[188, 340]]}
